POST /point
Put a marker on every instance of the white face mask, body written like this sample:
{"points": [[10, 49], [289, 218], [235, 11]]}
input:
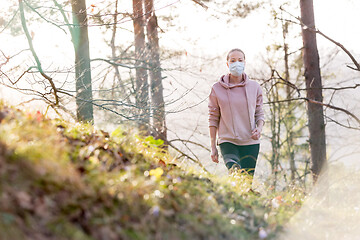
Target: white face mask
{"points": [[236, 68]]}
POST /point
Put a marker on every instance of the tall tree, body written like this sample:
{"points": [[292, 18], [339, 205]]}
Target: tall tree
{"points": [[80, 41], [314, 88], [290, 121], [156, 87], [113, 51], [142, 86], [287, 117]]}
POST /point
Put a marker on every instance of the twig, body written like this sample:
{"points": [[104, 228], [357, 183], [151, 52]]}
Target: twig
{"points": [[97, 105], [342, 125], [13, 17], [201, 4], [118, 64], [320, 103], [64, 17], [341, 46], [337, 88], [42, 17], [38, 63], [192, 142], [356, 63], [334, 107], [187, 156]]}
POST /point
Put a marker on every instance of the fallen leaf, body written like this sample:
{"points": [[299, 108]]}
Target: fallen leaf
{"points": [[24, 200], [162, 163]]}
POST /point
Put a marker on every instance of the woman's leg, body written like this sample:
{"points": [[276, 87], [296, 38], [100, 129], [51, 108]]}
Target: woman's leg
{"points": [[230, 153], [248, 157]]}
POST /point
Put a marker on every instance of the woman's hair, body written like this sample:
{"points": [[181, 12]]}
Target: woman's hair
{"points": [[234, 50]]}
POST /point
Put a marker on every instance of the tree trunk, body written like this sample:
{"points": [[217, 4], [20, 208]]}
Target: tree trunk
{"points": [[117, 77], [314, 89], [142, 86], [289, 121], [80, 40], [156, 87]]}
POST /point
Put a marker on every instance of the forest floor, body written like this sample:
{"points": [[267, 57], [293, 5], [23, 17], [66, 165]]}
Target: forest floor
{"points": [[61, 180]]}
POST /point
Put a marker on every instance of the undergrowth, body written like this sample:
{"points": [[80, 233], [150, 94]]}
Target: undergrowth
{"points": [[60, 180]]}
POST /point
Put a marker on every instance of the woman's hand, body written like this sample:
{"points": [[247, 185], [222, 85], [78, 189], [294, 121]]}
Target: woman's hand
{"points": [[214, 154], [256, 133]]}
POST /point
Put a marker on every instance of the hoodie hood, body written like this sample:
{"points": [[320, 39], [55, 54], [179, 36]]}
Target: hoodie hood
{"points": [[224, 81]]}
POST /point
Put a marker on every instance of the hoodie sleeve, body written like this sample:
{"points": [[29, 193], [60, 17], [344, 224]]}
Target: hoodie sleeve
{"points": [[214, 110], [259, 112]]}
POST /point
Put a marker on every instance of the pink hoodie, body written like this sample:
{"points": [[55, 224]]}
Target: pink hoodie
{"points": [[233, 119]]}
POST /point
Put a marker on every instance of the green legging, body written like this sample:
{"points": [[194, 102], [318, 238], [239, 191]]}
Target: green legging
{"points": [[237, 156]]}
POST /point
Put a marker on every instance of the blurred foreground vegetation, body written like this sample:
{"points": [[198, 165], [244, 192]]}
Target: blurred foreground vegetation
{"points": [[60, 180]]}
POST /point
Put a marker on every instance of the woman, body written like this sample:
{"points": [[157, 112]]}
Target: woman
{"points": [[236, 115]]}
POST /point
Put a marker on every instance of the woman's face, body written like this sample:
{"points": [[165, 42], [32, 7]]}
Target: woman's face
{"points": [[235, 56]]}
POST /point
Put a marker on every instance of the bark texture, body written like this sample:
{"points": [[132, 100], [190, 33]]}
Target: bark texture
{"points": [[80, 40], [156, 87], [142, 85], [314, 89]]}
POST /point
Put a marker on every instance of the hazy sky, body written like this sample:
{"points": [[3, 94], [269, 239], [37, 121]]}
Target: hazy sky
{"points": [[199, 34]]}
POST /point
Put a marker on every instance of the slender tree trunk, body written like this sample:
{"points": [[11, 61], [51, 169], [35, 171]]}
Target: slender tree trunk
{"points": [[275, 134], [314, 89], [117, 77], [142, 86], [289, 120], [277, 137], [80, 40], [156, 87]]}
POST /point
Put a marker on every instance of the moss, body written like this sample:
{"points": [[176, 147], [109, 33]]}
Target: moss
{"points": [[71, 181]]}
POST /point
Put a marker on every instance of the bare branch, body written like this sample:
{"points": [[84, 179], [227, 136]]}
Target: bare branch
{"points": [[316, 30], [192, 142], [335, 108], [6, 61], [187, 156], [320, 103], [13, 17], [38, 63], [42, 17], [68, 24], [290, 84], [341, 88], [201, 4], [118, 64], [342, 125], [30, 92], [341, 46], [97, 105]]}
